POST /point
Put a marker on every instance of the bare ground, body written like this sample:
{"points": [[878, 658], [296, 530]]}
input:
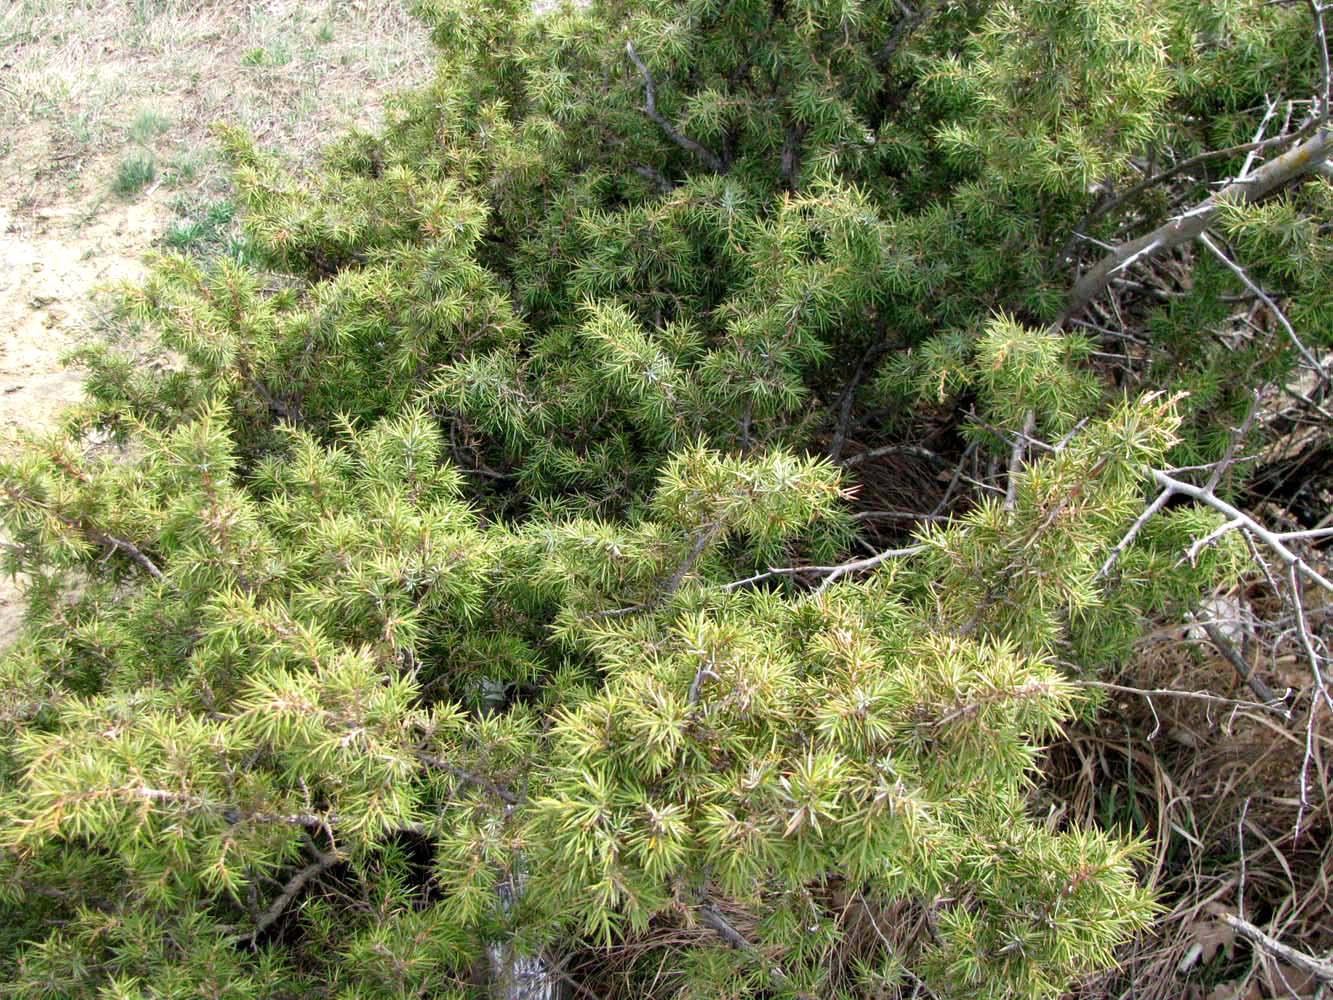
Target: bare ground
{"points": [[104, 109]]}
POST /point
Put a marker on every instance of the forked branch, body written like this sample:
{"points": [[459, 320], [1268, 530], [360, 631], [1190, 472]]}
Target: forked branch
{"points": [[1277, 173], [711, 159], [1320, 969]]}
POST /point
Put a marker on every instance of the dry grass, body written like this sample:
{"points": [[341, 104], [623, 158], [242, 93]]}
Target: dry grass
{"points": [[83, 78], [104, 148], [1216, 789]]}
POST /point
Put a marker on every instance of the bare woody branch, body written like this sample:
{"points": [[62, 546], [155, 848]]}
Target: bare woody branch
{"points": [[711, 159], [1111, 204], [1320, 969], [289, 892], [831, 573], [1292, 165], [1273, 540], [1263, 297]]}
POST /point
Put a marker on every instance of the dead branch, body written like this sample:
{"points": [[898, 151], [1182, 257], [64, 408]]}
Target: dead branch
{"points": [[1205, 696], [1263, 297], [892, 449], [1320, 969], [833, 572], [1148, 514], [1016, 459], [1105, 208], [1277, 173], [1246, 673], [1321, 43], [1271, 539]]}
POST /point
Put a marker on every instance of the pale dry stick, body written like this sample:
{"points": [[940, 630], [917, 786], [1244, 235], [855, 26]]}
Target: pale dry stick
{"points": [[1246, 673], [1205, 696], [1321, 36], [1175, 171], [1228, 458], [903, 515], [1263, 297], [1258, 135], [1276, 173], [1307, 533], [888, 947], [834, 572], [1320, 693], [968, 452], [1199, 544], [892, 449], [1016, 454], [1240, 839], [1269, 538], [1148, 513], [1320, 969]]}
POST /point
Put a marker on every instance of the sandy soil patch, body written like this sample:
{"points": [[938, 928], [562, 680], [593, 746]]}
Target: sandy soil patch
{"points": [[104, 109]]}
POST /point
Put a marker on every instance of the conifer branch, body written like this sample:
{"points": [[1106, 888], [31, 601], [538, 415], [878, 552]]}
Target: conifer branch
{"points": [[711, 159], [1277, 173]]}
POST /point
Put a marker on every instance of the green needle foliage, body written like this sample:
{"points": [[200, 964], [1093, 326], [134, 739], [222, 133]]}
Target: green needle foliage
{"points": [[475, 586]]}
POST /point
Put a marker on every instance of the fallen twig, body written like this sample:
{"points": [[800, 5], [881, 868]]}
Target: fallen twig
{"points": [[1320, 969]]}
